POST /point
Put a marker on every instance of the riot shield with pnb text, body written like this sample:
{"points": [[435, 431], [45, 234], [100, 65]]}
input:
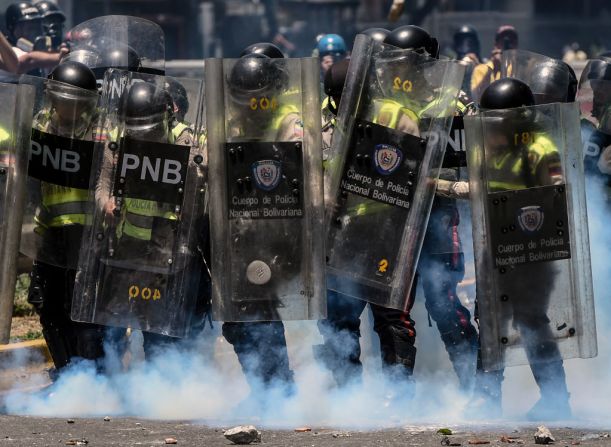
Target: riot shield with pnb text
{"points": [[139, 264]]}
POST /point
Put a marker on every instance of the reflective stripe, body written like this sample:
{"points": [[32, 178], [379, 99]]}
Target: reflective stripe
{"points": [[139, 218], [145, 234], [4, 135], [63, 206]]}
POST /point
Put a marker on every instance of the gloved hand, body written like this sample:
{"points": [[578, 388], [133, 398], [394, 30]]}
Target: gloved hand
{"points": [[453, 190], [604, 162]]}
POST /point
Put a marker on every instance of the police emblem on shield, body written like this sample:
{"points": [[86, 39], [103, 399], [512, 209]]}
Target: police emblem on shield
{"points": [[530, 218], [387, 158], [267, 174]]}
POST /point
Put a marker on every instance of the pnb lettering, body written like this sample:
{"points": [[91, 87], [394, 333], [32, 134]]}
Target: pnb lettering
{"points": [[168, 172], [58, 159]]}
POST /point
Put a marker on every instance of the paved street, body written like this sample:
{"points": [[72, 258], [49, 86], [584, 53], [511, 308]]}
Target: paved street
{"points": [[35, 431]]}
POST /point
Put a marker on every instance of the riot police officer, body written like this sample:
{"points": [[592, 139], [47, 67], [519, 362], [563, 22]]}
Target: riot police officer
{"points": [[62, 213], [340, 351], [441, 264], [261, 345], [143, 227], [529, 164]]}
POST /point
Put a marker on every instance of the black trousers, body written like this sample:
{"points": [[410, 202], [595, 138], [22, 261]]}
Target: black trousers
{"points": [[341, 350]]}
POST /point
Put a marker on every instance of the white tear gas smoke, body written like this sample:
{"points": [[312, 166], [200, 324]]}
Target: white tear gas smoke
{"points": [[206, 383]]}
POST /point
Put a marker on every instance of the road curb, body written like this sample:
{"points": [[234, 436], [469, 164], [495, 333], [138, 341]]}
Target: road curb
{"points": [[26, 350]]}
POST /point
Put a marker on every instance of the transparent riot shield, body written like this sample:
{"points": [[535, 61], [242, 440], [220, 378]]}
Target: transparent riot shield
{"points": [[139, 265], [15, 130], [388, 146], [548, 78], [122, 42], [57, 206], [534, 282], [266, 189]]}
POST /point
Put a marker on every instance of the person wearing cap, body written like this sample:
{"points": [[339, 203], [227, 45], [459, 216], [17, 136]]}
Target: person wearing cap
{"points": [[506, 39]]}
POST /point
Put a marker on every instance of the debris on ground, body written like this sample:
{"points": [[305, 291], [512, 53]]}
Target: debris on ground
{"points": [[243, 434], [478, 441], [171, 441], [444, 431], [447, 442], [543, 435], [302, 429], [511, 440], [77, 442], [106, 418], [341, 434]]}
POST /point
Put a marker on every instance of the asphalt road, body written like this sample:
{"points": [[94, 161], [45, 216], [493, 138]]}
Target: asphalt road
{"points": [[35, 431]]}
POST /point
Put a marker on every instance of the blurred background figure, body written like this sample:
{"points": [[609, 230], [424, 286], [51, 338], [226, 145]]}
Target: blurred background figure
{"points": [[53, 20], [330, 48], [506, 39], [466, 44]]}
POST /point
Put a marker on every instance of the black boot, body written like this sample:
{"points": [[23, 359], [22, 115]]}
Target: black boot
{"points": [[554, 401]]}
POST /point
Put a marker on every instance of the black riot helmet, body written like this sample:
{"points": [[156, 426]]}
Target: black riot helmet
{"points": [[466, 40], [120, 56], [550, 82], [76, 74], [52, 21], [335, 78], [377, 34], [72, 90], [507, 93], [148, 111], [412, 37], [49, 9], [600, 70], [255, 76], [266, 48], [23, 13], [571, 93]]}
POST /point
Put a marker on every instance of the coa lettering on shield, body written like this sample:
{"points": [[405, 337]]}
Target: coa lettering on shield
{"points": [[145, 293], [387, 158], [267, 174], [531, 218]]}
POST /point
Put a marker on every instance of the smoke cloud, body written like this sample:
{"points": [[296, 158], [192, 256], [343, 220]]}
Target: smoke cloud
{"points": [[206, 383]]}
